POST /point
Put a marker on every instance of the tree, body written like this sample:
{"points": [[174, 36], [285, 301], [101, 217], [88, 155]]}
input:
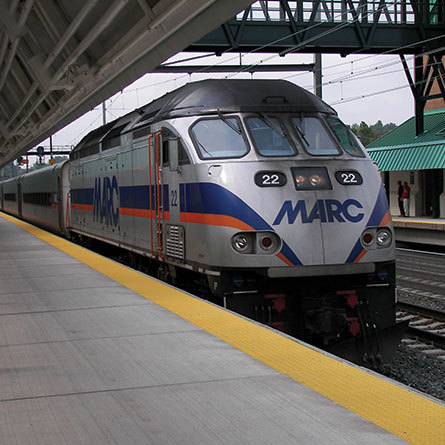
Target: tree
{"points": [[368, 134]]}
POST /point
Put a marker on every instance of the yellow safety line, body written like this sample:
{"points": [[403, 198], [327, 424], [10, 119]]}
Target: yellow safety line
{"points": [[418, 221], [406, 414]]}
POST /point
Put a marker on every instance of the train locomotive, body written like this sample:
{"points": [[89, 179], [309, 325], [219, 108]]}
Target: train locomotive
{"points": [[253, 190]]}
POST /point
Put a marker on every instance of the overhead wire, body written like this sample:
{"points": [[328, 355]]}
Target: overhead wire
{"points": [[290, 50]]}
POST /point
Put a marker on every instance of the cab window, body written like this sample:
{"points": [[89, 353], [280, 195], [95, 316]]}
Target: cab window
{"points": [[316, 139], [269, 136], [219, 138], [347, 139], [167, 134]]}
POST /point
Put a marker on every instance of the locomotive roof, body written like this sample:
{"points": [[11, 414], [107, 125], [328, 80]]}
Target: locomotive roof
{"points": [[214, 96], [234, 95]]}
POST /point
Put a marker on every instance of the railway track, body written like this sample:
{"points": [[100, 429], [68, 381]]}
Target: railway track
{"points": [[421, 299], [420, 270], [425, 325]]}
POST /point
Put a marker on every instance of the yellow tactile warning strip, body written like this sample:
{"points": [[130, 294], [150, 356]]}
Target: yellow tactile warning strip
{"points": [[419, 221], [408, 415]]}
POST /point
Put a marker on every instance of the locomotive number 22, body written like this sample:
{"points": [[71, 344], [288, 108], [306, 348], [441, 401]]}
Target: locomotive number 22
{"points": [[270, 179], [349, 177]]}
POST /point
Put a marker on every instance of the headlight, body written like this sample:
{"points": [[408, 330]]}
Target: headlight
{"points": [[311, 178], [259, 243], [241, 243], [384, 237]]}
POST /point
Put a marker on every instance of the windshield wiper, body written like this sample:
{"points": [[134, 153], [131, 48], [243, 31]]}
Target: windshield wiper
{"points": [[275, 126], [233, 126], [300, 133]]}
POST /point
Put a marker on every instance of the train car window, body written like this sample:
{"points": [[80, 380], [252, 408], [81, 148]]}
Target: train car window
{"points": [[182, 153], [42, 199], [347, 139], [316, 139], [113, 138], [141, 132], [9, 197], [219, 138], [88, 150], [269, 136]]}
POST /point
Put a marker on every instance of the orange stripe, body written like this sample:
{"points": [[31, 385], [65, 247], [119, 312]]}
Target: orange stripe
{"points": [[82, 207], [214, 220], [284, 259], [385, 220], [362, 254], [54, 206], [142, 213]]}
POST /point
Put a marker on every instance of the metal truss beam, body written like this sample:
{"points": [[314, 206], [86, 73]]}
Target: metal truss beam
{"points": [[331, 26], [60, 58], [190, 69], [343, 27], [428, 70]]}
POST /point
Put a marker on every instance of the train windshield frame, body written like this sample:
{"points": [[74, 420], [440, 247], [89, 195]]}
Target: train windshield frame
{"points": [[347, 139], [219, 137], [269, 136], [317, 140]]}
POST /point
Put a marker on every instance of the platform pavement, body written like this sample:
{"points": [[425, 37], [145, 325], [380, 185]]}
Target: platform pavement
{"points": [[86, 358]]}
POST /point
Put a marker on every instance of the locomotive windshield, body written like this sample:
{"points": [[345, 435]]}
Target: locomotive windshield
{"points": [[219, 138], [316, 140], [269, 136], [347, 139]]}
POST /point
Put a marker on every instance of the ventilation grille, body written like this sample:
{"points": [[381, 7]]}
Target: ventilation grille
{"points": [[175, 242]]}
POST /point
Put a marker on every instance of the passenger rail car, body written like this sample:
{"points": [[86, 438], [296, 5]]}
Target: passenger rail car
{"points": [[256, 188]]}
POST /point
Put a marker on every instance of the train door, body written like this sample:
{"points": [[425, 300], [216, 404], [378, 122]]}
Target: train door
{"points": [[174, 231], [64, 198], [1, 197], [155, 194]]}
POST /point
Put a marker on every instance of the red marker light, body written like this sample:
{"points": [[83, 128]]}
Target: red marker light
{"points": [[266, 242]]}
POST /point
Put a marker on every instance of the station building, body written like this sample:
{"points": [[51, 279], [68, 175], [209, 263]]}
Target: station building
{"points": [[419, 160]]}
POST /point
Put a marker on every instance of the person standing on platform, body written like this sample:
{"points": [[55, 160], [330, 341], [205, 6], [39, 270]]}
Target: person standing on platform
{"points": [[399, 198], [405, 197]]}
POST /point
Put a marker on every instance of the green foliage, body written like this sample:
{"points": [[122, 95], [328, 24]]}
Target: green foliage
{"points": [[368, 134]]}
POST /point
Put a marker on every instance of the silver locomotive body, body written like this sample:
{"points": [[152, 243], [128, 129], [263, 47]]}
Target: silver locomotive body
{"points": [[258, 189]]}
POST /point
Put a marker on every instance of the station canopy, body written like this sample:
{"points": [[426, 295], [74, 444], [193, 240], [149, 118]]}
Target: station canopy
{"points": [[401, 149], [60, 58]]}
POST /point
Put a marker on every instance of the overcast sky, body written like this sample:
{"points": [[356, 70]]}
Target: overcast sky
{"points": [[346, 81]]}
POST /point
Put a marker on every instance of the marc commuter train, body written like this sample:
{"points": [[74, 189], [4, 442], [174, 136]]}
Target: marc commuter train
{"points": [[255, 191]]}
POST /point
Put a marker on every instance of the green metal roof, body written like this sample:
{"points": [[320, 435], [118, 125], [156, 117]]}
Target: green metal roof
{"points": [[401, 149], [423, 157]]}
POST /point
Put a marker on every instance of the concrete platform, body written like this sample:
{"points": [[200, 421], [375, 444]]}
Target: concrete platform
{"points": [[420, 230], [90, 359]]}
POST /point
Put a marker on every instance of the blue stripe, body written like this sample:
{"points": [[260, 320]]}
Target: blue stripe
{"points": [[82, 196], [213, 199], [137, 197], [380, 209]]}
